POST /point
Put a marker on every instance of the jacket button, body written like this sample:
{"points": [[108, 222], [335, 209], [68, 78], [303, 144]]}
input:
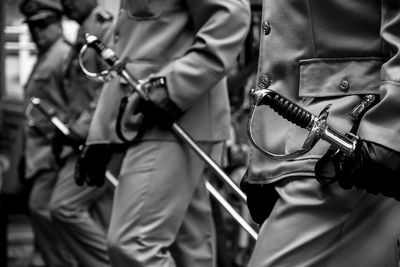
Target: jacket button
{"points": [[264, 81], [266, 27], [344, 85]]}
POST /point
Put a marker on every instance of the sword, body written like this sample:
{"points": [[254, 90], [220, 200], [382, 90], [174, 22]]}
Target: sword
{"points": [[214, 192], [109, 56], [36, 102], [317, 125]]}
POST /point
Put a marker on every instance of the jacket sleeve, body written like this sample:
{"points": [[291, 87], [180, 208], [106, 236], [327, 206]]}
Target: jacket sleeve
{"points": [[221, 27], [381, 124]]}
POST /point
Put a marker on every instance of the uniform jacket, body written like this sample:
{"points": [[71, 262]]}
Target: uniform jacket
{"points": [[326, 52], [46, 83], [82, 92], [193, 44]]}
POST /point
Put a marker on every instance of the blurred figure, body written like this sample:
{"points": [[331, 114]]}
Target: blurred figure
{"points": [[43, 18], [182, 50], [73, 207]]}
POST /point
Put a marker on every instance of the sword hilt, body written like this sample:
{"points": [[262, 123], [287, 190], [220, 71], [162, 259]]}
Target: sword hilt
{"points": [[318, 126], [284, 107], [117, 64], [36, 102], [107, 54]]}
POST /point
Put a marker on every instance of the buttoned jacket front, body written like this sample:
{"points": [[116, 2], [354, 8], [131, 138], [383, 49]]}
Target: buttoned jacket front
{"points": [[326, 52]]}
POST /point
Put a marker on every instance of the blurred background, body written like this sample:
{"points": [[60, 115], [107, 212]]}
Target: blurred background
{"points": [[17, 56]]}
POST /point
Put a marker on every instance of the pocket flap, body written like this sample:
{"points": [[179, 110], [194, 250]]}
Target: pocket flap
{"points": [[323, 77]]}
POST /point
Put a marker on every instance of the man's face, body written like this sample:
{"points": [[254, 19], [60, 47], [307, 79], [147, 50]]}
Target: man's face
{"points": [[78, 10], [44, 33]]}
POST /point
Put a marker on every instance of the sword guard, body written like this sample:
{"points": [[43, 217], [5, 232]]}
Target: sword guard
{"points": [[318, 126], [312, 138]]}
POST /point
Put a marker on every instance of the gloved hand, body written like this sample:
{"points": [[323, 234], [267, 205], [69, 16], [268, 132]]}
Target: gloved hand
{"points": [[372, 167], [261, 198], [60, 140], [92, 164], [159, 108]]}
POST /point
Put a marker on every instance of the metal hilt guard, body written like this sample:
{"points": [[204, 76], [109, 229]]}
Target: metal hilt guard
{"points": [[318, 126], [109, 56]]}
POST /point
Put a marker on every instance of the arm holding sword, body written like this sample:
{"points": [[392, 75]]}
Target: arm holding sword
{"points": [[189, 47]]}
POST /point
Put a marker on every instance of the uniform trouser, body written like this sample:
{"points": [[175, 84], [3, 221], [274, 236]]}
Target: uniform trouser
{"points": [[71, 207], [161, 213], [47, 235], [324, 225]]}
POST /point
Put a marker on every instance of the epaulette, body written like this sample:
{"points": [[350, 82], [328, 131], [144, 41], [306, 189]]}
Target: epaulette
{"points": [[104, 16]]}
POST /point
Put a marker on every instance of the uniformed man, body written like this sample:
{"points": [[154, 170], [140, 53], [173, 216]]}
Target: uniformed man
{"points": [[72, 205], [43, 18], [161, 214], [317, 53]]}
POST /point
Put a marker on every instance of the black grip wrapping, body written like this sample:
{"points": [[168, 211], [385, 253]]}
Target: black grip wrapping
{"points": [[106, 53], [287, 109]]}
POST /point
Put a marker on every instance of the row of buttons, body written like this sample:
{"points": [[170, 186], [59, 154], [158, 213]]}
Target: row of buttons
{"points": [[265, 80], [266, 27]]}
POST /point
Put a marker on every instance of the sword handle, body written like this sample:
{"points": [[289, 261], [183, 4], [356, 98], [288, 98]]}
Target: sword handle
{"points": [[107, 54], [284, 107], [318, 126], [36, 102]]}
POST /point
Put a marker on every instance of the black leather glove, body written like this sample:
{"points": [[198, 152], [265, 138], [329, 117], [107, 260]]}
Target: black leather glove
{"points": [[261, 198], [159, 108], [92, 164], [372, 167]]}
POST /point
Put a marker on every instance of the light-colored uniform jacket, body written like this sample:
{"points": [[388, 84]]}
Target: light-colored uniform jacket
{"points": [[194, 64], [45, 82], [326, 52]]}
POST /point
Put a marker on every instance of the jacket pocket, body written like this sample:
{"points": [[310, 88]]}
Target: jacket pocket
{"points": [[339, 82], [327, 77], [145, 9]]}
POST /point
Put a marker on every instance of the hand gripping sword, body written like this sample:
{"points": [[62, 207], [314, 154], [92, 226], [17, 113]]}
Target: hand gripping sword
{"points": [[318, 126], [60, 126], [117, 65]]}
